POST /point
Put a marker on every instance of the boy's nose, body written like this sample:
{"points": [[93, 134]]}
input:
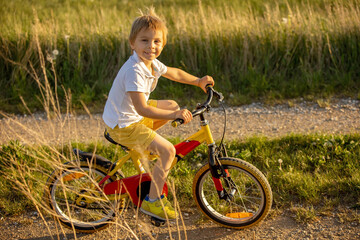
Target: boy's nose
{"points": [[152, 44]]}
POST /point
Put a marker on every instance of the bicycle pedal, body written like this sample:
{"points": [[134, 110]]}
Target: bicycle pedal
{"points": [[157, 222]]}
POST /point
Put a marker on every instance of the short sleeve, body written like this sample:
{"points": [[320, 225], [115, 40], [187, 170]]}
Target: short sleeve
{"points": [[162, 69], [134, 81]]}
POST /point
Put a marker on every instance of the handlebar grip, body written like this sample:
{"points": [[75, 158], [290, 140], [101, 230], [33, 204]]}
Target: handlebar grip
{"points": [[207, 87], [177, 122]]}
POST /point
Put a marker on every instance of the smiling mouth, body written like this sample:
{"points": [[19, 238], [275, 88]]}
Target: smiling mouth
{"points": [[151, 54]]}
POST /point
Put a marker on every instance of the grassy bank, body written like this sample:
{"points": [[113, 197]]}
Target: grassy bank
{"points": [[263, 50], [316, 171]]}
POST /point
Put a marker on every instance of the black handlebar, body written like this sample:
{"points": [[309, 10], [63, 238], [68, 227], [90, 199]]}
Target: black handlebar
{"points": [[201, 108]]}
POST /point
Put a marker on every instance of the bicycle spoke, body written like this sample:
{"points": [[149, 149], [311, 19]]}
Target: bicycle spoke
{"points": [[76, 197], [243, 200]]}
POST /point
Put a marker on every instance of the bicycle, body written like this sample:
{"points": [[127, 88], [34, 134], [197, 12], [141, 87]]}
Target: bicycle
{"points": [[87, 193]]}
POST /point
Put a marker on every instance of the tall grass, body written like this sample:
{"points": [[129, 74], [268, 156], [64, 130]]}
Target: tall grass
{"points": [[25, 167], [89, 51], [315, 170], [255, 50]]}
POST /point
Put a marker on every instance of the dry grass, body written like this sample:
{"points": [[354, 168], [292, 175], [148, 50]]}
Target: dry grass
{"points": [[28, 167], [272, 51]]}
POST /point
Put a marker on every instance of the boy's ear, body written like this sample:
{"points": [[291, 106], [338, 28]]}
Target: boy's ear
{"points": [[131, 45]]}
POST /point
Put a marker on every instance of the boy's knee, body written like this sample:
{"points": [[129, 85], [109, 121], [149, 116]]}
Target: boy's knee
{"points": [[172, 151], [163, 148]]}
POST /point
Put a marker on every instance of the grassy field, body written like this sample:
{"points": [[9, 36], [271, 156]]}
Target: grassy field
{"points": [[317, 172], [255, 50], [61, 56]]}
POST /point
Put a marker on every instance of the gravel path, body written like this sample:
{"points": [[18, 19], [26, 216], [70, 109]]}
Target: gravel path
{"points": [[341, 116], [279, 226]]}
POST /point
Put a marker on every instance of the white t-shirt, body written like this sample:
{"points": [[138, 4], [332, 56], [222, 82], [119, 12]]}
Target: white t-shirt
{"points": [[133, 76]]}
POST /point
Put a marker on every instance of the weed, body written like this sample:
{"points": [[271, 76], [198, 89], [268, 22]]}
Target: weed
{"points": [[304, 214], [347, 215]]}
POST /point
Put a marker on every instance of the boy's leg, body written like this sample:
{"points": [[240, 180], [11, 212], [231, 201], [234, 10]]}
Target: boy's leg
{"points": [[155, 204], [168, 105], [166, 152]]}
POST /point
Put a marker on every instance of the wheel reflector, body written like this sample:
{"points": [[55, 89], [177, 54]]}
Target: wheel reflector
{"points": [[72, 176], [239, 215]]}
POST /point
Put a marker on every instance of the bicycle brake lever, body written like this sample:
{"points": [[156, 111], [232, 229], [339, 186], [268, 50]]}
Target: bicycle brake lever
{"points": [[219, 95]]}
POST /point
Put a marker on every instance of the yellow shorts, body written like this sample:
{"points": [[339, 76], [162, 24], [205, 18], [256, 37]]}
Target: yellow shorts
{"points": [[136, 136]]}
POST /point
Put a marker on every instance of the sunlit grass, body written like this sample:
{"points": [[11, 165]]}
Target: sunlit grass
{"points": [[255, 50], [59, 61], [311, 171]]}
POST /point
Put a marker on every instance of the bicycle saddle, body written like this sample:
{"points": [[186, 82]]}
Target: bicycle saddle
{"points": [[107, 136], [86, 156]]}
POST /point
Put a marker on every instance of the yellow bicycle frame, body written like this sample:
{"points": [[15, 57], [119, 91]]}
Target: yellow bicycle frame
{"points": [[202, 135]]}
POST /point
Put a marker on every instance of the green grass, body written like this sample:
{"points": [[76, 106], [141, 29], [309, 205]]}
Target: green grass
{"points": [[256, 50], [318, 171]]}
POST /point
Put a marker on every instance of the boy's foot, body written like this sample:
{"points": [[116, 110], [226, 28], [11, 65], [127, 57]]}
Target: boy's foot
{"points": [[156, 210]]}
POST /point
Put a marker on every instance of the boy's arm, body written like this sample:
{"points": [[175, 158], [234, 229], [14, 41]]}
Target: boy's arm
{"points": [[142, 108], [181, 76]]}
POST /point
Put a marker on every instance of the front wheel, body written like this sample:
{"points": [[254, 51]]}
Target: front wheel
{"points": [[247, 195]]}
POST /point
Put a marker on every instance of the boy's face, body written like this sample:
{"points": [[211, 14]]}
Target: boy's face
{"points": [[148, 45]]}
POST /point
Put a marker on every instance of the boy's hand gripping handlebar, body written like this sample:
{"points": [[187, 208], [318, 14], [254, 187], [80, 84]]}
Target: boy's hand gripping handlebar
{"points": [[201, 107]]}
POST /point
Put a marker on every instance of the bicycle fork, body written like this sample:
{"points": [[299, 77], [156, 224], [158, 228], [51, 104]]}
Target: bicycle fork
{"points": [[218, 171]]}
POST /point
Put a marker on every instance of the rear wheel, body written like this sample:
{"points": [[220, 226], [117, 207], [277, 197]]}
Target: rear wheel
{"points": [[78, 202], [247, 199]]}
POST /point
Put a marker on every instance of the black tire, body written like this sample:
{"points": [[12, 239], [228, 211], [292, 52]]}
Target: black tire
{"points": [[252, 195], [75, 199]]}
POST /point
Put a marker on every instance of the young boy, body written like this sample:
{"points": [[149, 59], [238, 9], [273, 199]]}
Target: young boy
{"points": [[132, 118]]}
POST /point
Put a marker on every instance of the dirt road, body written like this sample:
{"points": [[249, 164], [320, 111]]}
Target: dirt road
{"points": [[341, 116], [277, 226]]}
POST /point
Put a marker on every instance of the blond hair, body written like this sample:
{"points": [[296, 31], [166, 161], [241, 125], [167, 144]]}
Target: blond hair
{"points": [[148, 21]]}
